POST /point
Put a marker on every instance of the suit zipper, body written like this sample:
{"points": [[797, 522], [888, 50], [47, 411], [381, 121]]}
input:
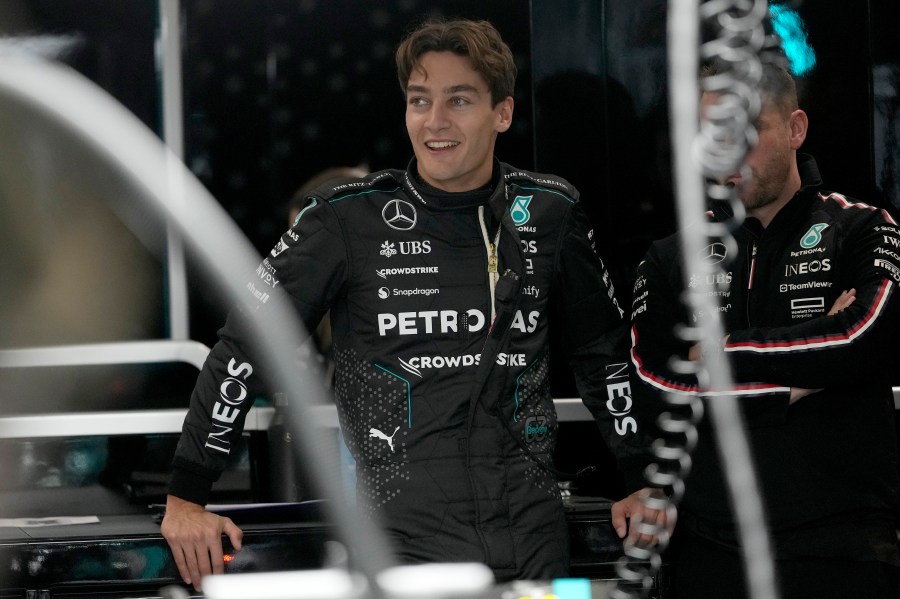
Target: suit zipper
{"points": [[750, 281], [493, 277], [492, 259]]}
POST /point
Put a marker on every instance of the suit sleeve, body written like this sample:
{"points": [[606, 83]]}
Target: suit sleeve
{"points": [[656, 312], [309, 263], [824, 351], [595, 334]]}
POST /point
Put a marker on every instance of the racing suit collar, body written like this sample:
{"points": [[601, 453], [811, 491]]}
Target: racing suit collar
{"points": [[810, 182], [440, 199], [809, 171]]}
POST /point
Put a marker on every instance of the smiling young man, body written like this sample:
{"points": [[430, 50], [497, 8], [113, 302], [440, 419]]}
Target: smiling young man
{"points": [[442, 281], [453, 122]]}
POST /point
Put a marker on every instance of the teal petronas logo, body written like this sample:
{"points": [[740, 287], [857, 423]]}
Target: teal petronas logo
{"points": [[812, 237], [519, 210]]}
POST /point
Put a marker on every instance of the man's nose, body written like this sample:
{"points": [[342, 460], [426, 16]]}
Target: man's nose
{"points": [[437, 117]]}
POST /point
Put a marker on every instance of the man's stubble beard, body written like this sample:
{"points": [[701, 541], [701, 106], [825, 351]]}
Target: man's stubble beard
{"points": [[765, 189]]}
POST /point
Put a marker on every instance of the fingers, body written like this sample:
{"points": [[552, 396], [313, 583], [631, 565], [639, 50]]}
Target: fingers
{"points": [[188, 563], [645, 526], [671, 519], [204, 554], [193, 559], [198, 565], [619, 522], [214, 555], [183, 569], [195, 538], [843, 301], [235, 534], [695, 352], [180, 549], [798, 393]]}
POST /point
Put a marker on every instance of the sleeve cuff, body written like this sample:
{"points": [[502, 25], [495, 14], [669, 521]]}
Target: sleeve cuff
{"points": [[634, 477], [190, 486]]}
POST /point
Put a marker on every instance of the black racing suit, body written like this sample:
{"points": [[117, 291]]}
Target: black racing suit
{"points": [[827, 464], [445, 414]]}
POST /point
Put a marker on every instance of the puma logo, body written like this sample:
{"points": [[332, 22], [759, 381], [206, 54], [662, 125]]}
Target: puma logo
{"points": [[374, 432]]}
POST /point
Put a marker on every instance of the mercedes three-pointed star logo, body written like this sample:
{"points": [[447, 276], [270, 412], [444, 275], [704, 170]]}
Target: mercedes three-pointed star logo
{"points": [[399, 215], [714, 253]]}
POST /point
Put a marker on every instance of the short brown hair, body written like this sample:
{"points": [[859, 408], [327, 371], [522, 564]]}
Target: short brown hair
{"points": [[479, 41], [776, 84]]}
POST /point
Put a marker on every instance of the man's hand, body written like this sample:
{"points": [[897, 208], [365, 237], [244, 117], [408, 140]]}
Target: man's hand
{"points": [[630, 511], [798, 393], [195, 537], [696, 351], [844, 299]]}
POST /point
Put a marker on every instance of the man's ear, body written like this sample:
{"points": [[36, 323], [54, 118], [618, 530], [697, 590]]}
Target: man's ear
{"points": [[504, 114], [799, 123]]}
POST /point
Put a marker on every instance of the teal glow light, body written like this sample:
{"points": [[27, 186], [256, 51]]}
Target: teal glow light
{"points": [[792, 31]]}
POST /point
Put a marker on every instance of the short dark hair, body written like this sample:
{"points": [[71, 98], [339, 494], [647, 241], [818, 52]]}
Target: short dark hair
{"points": [[479, 41], [776, 84]]}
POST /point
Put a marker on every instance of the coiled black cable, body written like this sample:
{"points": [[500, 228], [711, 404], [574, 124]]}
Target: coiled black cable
{"points": [[711, 151]]}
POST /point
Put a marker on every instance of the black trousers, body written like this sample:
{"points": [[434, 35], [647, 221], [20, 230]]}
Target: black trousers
{"points": [[702, 569]]}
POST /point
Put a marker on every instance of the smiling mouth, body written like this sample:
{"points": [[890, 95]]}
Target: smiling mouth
{"points": [[441, 145]]}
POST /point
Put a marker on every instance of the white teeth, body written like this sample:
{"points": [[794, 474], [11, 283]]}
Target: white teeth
{"points": [[440, 144]]}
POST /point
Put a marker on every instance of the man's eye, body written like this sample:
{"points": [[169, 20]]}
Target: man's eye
{"points": [[458, 101], [417, 102]]}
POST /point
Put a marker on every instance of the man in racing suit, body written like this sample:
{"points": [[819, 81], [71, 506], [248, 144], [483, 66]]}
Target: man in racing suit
{"points": [[442, 281], [813, 384]]}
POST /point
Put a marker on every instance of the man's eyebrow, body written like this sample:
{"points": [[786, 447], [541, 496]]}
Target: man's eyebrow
{"points": [[453, 89], [463, 87]]}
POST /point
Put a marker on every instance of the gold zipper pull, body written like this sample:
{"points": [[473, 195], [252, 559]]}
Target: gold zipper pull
{"points": [[492, 258]]}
